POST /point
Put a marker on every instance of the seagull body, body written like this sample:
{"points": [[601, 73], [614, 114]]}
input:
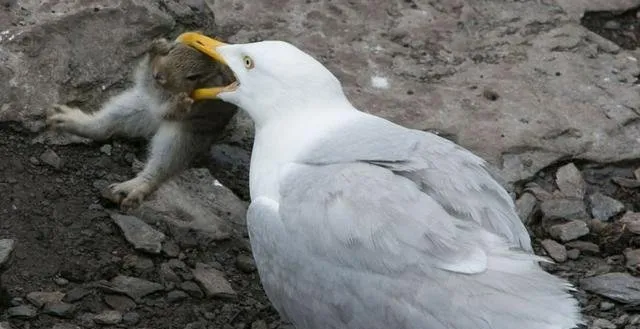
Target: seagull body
{"points": [[357, 222]]}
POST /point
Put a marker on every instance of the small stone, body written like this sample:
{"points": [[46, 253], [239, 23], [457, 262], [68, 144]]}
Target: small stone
{"points": [[612, 25], [570, 182], [525, 206], [621, 287], [22, 312], [5, 325], [632, 257], [6, 249], [108, 317], [135, 288], [213, 281], [86, 320], [176, 296], [106, 149], [192, 289], [602, 324], [587, 248], [564, 208], [140, 234], [75, 295], [65, 326], [197, 325], [569, 231], [245, 264], [573, 254], [636, 173], [259, 324], [606, 306], [51, 158], [60, 309], [136, 262], [131, 318], [604, 207], [167, 274], [626, 182], [39, 298], [631, 222], [171, 249], [555, 250], [60, 281], [119, 302]]}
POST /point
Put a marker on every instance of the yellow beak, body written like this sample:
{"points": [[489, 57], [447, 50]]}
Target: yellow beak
{"points": [[207, 46]]}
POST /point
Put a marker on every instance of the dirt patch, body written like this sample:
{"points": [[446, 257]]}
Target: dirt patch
{"points": [[66, 240]]}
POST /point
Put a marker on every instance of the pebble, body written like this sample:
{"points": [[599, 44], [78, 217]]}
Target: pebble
{"points": [[75, 295], [626, 182], [604, 207], [140, 234], [631, 221], [587, 248], [213, 281], [22, 311], [192, 289], [171, 249], [86, 320], [131, 318], [6, 249], [51, 158], [60, 281], [136, 262], [259, 324], [606, 306], [573, 254], [60, 309], [119, 302], [570, 182], [133, 287], [39, 298], [5, 325], [167, 274], [621, 287], [245, 263], [612, 25], [602, 324], [569, 231], [525, 206], [176, 296], [564, 208], [555, 250], [106, 149], [632, 257], [108, 317]]}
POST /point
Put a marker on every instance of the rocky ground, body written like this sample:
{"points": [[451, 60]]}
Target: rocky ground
{"points": [[545, 90]]}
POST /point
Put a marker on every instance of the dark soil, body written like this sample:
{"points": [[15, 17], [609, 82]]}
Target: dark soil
{"points": [[621, 28], [63, 230]]}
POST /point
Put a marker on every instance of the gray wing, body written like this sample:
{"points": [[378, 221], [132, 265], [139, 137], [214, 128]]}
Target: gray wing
{"points": [[453, 177], [356, 245]]}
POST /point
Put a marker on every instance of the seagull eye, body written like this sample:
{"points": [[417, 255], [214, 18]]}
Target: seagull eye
{"points": [[248, 62]]}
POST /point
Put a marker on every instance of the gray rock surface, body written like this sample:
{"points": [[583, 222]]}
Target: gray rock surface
{"points": [[22, 312], [108, 317], [555, 250], [569, 231], [564, 208], [570, 182], [39, 298], [621, 287]]}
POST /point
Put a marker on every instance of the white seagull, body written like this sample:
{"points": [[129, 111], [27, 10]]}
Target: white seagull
{"points": [[357, 222]]}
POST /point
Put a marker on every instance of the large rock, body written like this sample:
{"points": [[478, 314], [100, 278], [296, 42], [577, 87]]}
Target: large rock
{"points": [[79, 52], [504, 79]]}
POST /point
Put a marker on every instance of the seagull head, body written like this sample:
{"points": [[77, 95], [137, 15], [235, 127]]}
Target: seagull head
{"points": [[272, 78]]}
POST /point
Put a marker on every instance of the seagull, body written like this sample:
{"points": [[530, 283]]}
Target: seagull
{"points": [[357, 222]]}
